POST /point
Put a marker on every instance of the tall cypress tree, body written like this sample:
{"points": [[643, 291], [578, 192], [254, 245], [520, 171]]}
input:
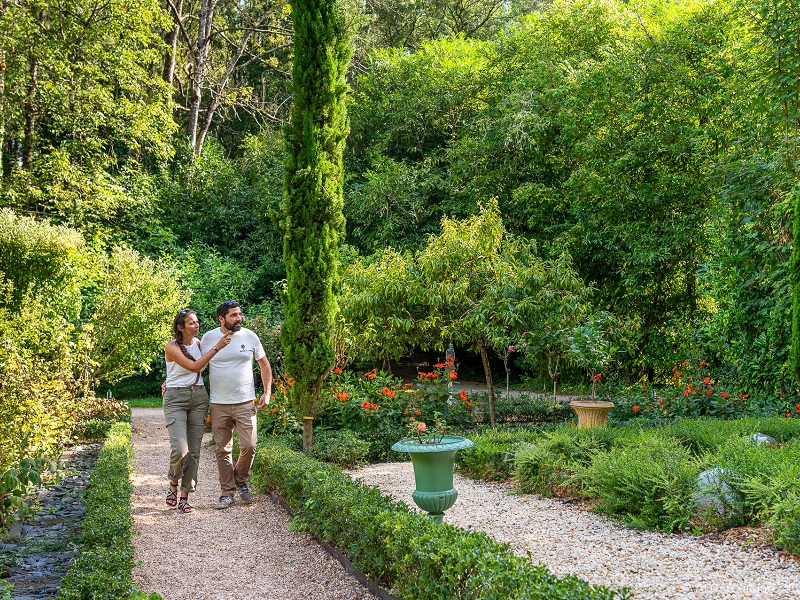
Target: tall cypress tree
{"points": [[312, 219]]}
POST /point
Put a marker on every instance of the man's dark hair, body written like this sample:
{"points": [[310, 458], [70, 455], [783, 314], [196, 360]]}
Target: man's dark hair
{"points": [[224, 308]]}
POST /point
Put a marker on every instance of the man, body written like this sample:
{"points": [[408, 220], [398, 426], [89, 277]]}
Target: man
{"points": [[233, 398]]}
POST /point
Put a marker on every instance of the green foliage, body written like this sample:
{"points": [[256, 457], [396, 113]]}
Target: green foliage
{"points": [[492, 454], [312, 221], [647, 481], [131, 316], [405, 552], [521, 408], [103, 567], [16, 483], [342, 447]]}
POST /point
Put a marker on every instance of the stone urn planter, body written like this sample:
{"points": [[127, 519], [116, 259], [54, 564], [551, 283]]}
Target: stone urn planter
{"points": [[433, 472], [591, 413]]}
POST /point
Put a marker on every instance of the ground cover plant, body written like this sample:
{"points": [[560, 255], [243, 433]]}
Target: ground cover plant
{"points": [[650, 477]]}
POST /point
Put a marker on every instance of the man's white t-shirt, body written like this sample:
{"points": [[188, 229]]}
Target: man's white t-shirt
{"points": [[230, 371]]}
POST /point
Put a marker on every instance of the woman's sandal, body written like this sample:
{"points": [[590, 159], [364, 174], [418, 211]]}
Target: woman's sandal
{"points": [[184, 506], [172, 495]]}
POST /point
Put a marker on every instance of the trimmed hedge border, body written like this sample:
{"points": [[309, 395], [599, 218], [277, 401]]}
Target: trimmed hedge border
{"points": [[401, 550], [102, 570]]}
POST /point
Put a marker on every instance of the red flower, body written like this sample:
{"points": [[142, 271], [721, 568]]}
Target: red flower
{"points": [[463, 396], [684, 363], [453, 375], [597, 377], [365, 405], [709, 391], [208, 419], [635, 408], [337, 370], [788, 415], [724, 395], [661, 403], [686, 392], [797, 408], [703, 363], [707, 380]]}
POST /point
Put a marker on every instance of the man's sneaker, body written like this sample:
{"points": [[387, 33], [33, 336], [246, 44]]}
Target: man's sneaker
{"points": [[224, 502], [245, 494]]}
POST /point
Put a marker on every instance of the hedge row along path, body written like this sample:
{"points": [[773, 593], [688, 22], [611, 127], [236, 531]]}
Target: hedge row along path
{"points": [[571, 540], [239, 553]]}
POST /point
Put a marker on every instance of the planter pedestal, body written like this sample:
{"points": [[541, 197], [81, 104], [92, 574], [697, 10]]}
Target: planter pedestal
{"points": [[591, 413], [433, 472]]}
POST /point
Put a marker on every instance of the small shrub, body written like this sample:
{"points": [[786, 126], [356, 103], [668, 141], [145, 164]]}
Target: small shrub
{"points": [[648, 482], [343, 447], [490, 457]]}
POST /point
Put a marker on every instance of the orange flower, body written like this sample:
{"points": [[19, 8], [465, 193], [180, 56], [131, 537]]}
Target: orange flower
{"points": [[635, 408], [788, 415], [374, 407], [684, 363], [724, 395], [208, 419], [337, 370], [421, 427], [797, 408], [686, 392], [707, 380], [469, 404], [291, 381], [439, 365], [703, 363], [365, 405], [370, 375], [408, 385], [597, 377], [661, 403], [433, 375], [463, 396], [709, 392], [453, 375], [449, 361], [341, 396], [418, 412]]}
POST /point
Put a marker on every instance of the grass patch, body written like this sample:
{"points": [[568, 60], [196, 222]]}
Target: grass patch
{"points": [[146, 402]]}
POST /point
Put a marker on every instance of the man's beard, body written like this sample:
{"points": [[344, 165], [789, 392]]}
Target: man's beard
{"points": [[233, 328]]}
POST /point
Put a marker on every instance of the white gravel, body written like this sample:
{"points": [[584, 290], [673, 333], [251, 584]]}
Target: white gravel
{"points": [[568, 539], [241, 553]]}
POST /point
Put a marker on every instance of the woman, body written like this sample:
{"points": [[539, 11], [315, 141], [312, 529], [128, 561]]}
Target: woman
{"points": [[186, 404]]}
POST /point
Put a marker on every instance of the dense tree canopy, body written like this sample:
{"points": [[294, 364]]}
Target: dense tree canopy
{"points": [[652, 145]]}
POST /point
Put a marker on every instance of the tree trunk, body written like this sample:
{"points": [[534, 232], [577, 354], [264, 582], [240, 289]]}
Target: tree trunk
{"points": [[200, 66], [489, 383], [171, 39], [30, 115], [216, 99], [308, 432]]}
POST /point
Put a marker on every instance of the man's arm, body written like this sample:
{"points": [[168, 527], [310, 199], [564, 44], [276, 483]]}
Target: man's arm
{"points": [[266, 381]]}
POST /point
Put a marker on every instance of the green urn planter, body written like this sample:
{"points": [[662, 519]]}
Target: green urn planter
{"points": [[433, 472]]}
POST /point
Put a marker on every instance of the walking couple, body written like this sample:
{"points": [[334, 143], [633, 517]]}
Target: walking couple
{"points": [[229, 352]]}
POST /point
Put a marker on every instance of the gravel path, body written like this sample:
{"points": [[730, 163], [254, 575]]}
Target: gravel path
{"points": [[570, 540], [235, 554]]}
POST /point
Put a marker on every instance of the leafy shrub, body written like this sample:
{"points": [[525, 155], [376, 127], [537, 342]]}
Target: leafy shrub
{"points": [[522, 408], [491, 454], [102, 570], [343, 447], [551, 465], [402, 550], [647, 481], [15, 485]]}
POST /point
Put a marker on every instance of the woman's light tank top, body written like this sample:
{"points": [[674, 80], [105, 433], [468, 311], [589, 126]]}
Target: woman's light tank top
{"points": [[177, 376]]}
